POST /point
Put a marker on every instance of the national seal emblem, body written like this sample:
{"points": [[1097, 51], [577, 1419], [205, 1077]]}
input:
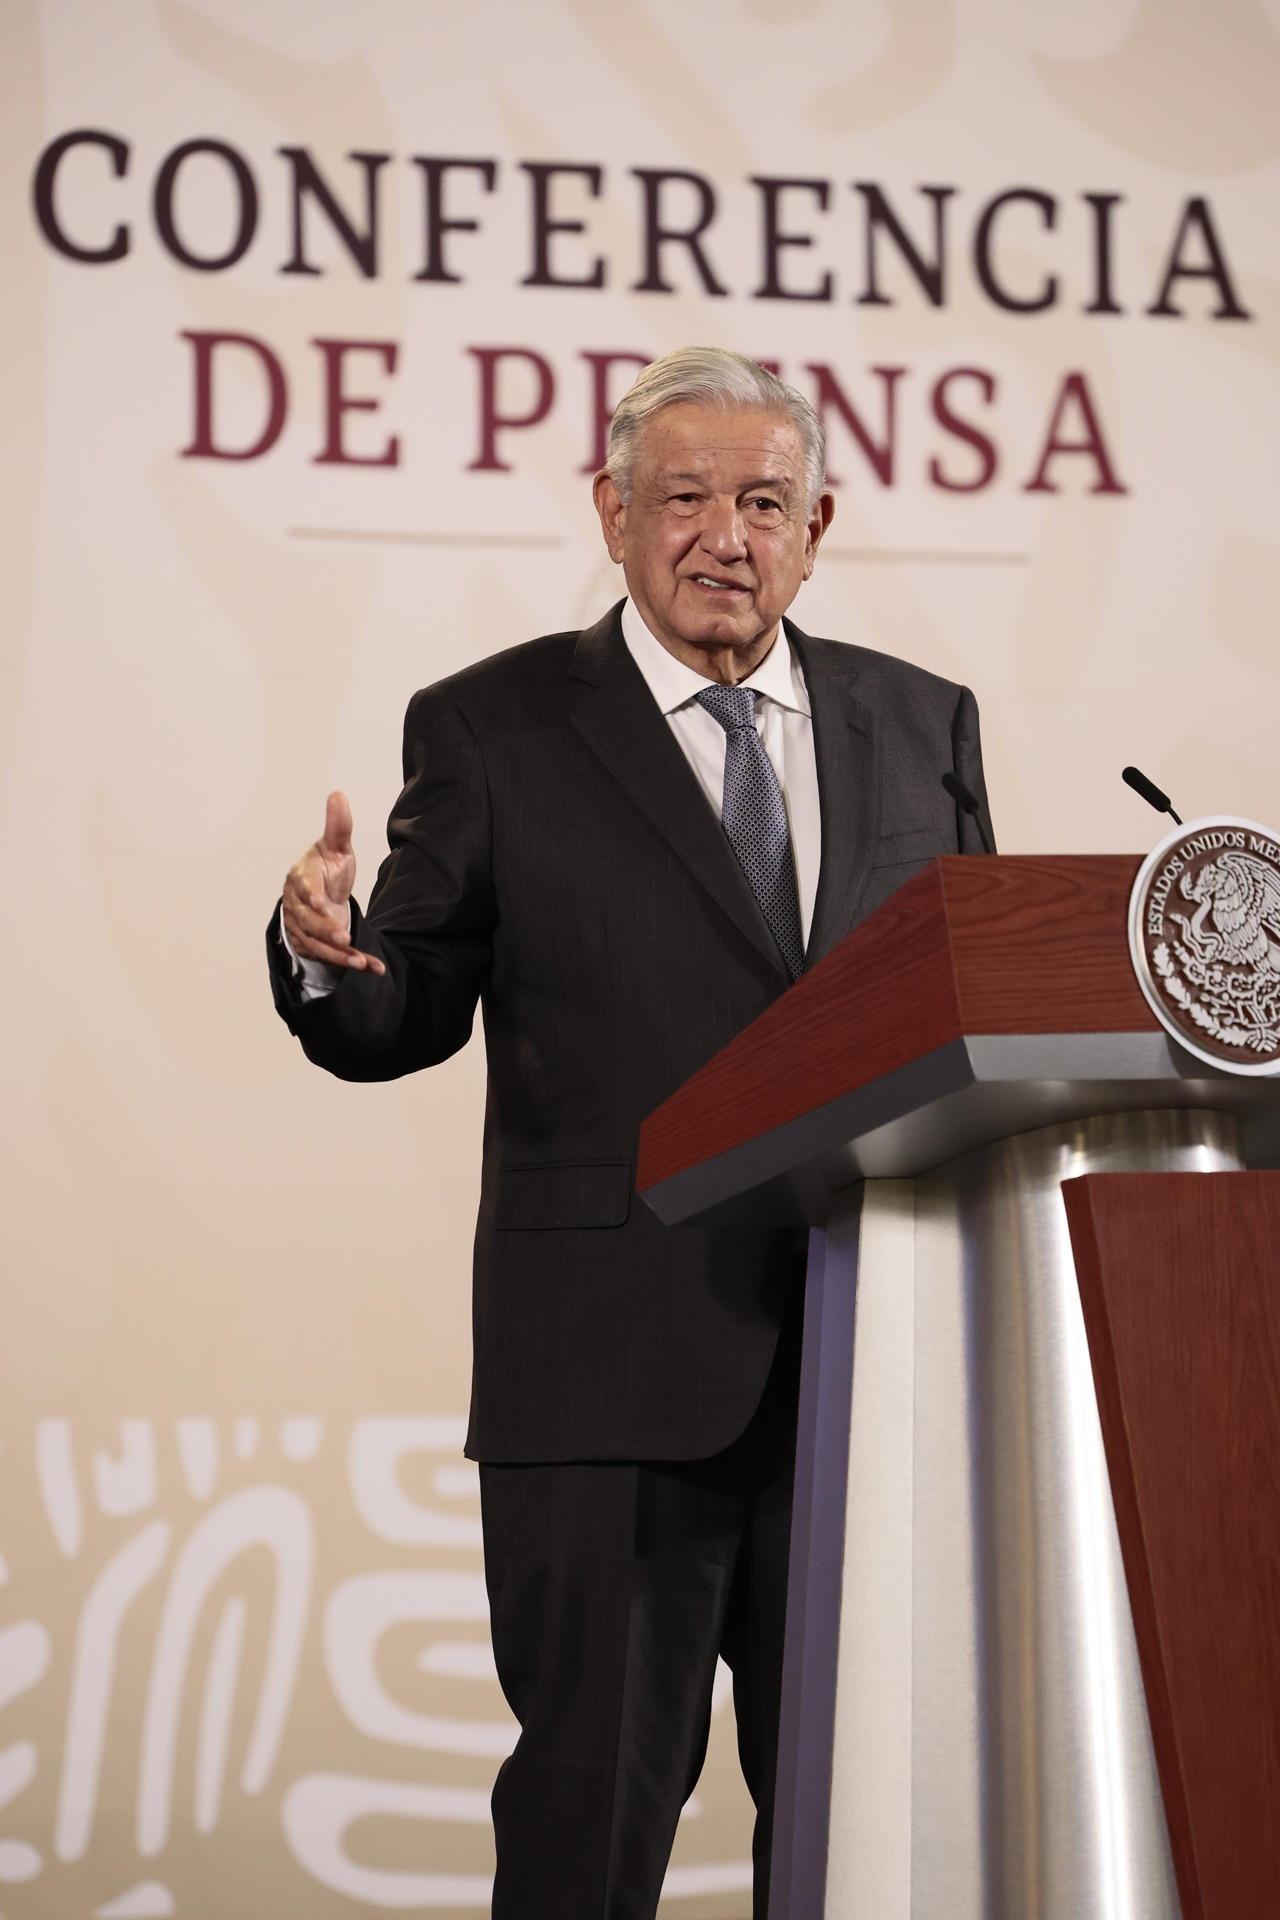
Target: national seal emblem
{"points": [[1204, 936]]}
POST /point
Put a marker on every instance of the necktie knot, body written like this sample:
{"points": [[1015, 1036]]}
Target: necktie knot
{"points": [[733, 707]]}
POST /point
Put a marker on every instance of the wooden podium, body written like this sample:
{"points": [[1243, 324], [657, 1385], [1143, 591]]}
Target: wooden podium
{"points": [[1018, 1686]]}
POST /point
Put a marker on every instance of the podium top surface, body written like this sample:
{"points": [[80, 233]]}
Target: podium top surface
{"points": [[987, 996]]}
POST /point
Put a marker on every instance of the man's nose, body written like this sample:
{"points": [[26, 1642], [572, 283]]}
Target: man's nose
{"points": [[724, 531]]}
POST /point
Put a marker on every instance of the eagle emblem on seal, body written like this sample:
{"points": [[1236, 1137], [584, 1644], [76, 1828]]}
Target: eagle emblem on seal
{"points": [[1204, 935]]}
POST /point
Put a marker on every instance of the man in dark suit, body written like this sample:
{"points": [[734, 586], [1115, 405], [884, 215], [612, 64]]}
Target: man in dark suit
{"points": [[625, 843]]}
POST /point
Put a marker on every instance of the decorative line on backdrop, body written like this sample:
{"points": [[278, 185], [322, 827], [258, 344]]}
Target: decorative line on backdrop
{"points": [[407, 537], [392, 536], [928, 556]]}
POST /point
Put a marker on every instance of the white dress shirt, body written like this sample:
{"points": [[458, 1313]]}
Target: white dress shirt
{"points": [[785, 728]]}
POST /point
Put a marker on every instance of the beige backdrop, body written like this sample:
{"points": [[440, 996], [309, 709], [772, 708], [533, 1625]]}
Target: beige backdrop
{"points": [[243, 1659]]}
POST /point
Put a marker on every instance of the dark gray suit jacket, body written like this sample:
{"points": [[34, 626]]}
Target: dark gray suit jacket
{"points": [[553, 856]]}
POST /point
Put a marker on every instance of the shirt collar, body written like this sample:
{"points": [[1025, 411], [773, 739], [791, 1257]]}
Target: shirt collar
{"points": [[673, 684]]}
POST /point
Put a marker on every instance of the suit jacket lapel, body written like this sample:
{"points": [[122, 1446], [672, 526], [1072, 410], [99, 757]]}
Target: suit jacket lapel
{"points": [[847, 747], [621, 723]]}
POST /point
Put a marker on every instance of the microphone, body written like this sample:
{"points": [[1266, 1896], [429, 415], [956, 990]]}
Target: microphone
{"points": [[1149, 791], [956, 787]]}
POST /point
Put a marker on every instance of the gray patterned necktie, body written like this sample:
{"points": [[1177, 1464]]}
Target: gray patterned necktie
{"points": [[755, 818]]}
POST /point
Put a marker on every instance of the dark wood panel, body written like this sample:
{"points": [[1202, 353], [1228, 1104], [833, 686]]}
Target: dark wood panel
{"points": [[1180, 1282], [1040, 941], [1015, 944]]}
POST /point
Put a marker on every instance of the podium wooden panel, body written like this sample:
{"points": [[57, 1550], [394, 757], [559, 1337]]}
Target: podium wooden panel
{"points": [[986, 997], [1009, 946], [1180, 1283]]}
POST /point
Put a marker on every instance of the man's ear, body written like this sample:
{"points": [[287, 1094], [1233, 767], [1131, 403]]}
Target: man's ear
{"points": [[612, 511], [818, 522]]}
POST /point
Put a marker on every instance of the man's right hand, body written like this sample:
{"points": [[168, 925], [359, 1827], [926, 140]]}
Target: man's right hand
{"points": [[317, 889]]}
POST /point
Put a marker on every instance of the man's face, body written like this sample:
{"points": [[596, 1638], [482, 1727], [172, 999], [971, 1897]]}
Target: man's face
{"points": [[714, 541]]}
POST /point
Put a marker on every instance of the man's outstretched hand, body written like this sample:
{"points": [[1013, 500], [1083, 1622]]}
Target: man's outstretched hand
{"points": [[317, 889]]}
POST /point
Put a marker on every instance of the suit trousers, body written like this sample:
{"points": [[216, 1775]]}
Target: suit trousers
{"points": [[613, 1587]]}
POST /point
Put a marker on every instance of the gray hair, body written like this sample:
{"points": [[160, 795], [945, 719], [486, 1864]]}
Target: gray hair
{"points": [[711, 376]]}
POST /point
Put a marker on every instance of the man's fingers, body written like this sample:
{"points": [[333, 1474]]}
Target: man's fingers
{"points": [[335, 842], [310, 883], [316, 918], [307, 947], [347, 957]]}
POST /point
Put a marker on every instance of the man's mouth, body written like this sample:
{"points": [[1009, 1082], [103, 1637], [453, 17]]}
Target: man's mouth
{"points": [[718, 586]]}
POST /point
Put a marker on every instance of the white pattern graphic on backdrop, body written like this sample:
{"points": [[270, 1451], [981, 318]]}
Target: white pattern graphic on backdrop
{"points": [[163, 1595]]}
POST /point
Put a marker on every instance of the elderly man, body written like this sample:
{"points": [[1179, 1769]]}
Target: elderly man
{"points": [[625, 843]]}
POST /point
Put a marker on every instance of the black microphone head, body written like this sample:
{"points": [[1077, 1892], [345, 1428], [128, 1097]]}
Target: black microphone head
{"points": [[968, 804], [1147, 788]]}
